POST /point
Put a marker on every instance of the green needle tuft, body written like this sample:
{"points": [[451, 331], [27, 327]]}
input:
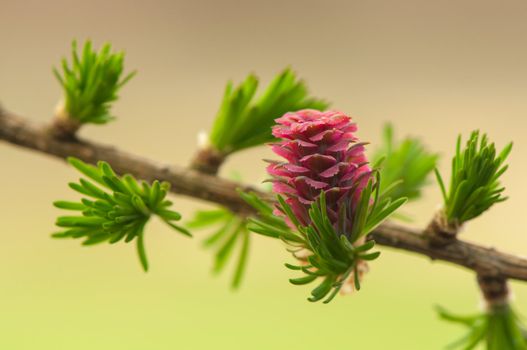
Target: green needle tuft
{"points": [[91, 82], [474, 184], [115, 208], [407, 162], [245, 121]]}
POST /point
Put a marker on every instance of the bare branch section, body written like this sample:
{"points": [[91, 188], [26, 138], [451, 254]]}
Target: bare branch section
{"points": [[484, 261], [19, 131]]}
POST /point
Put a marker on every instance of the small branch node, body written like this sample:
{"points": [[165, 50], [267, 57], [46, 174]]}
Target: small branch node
{"points": [[207, 160], [63, 126], [495, 290], [440, 232]]}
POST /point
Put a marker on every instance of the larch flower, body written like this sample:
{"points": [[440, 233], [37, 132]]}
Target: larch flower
{"points": [[329, 198], [322, 154]]}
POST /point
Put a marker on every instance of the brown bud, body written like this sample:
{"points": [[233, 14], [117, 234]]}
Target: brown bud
{"points": [[207, 160], [440, 232], [63, 126], [495, 290]]}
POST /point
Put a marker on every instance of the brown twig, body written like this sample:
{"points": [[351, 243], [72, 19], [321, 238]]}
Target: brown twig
{"points": [[207, 160], [22, 132]]}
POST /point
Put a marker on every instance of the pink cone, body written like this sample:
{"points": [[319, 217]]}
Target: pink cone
{"points": [[321, 154]]}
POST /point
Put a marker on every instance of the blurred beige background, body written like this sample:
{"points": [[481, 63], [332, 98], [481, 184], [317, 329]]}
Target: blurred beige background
{"points": [[433, 68]]}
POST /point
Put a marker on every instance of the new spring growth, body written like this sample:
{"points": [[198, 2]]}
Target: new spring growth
{"points": [[244, 119], [407, 162], [499, 328], [474, 185], [91, 81], [229, 239], [114, 208], [329, 197]]}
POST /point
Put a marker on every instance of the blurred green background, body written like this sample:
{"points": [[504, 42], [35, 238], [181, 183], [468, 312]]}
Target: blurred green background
{"points": [[432, 68]]}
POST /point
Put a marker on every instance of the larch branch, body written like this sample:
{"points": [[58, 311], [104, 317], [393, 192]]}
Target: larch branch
{"points": [[22, 132]]}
